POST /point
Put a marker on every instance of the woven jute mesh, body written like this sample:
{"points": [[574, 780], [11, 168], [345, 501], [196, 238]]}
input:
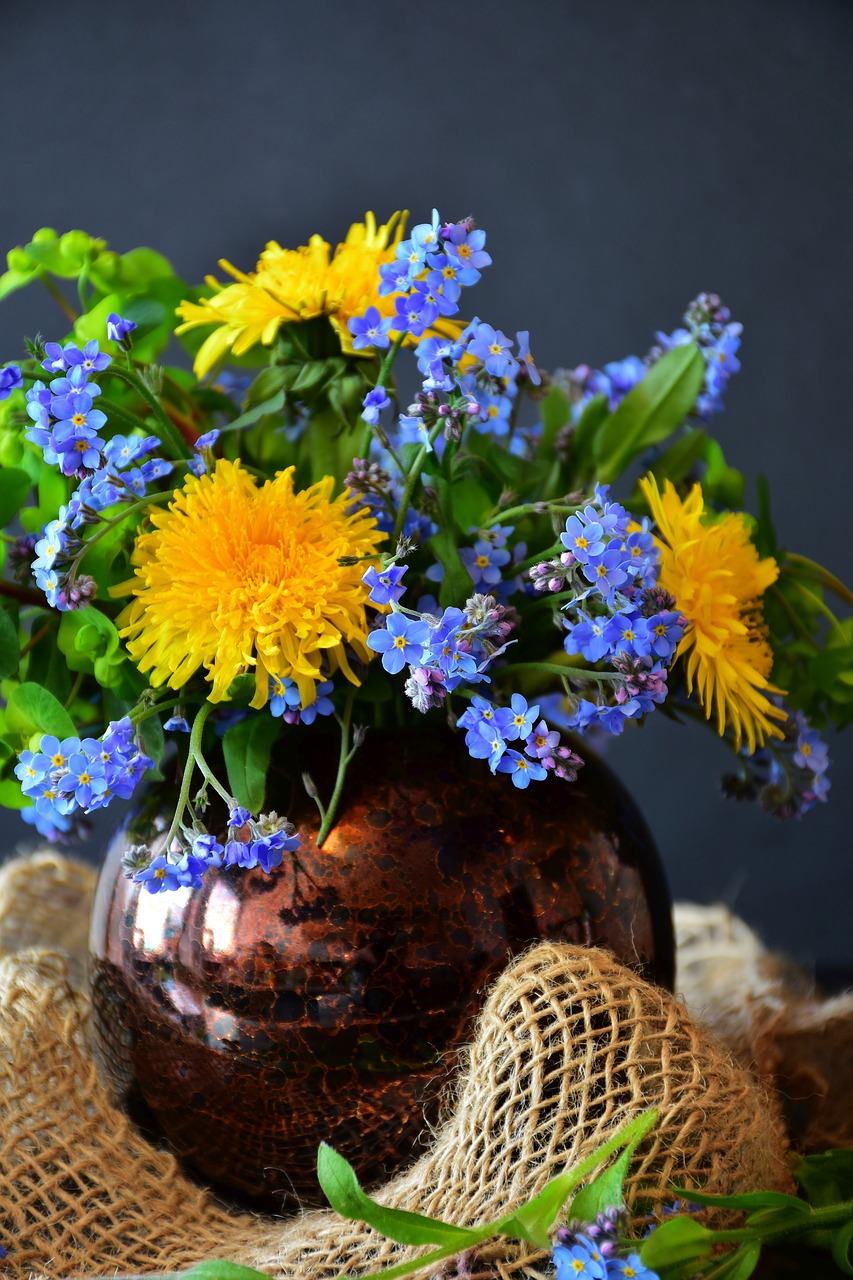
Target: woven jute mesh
{"points": [[568, 1046]]}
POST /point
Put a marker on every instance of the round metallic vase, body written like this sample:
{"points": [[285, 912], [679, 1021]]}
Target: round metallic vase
{"points": [[254, 1018]]}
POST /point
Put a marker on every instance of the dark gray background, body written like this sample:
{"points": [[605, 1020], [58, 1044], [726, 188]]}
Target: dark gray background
{"points": [[622, 157]]}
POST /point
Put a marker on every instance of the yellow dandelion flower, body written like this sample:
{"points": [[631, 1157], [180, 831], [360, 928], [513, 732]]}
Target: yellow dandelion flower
{"points": [[234, 576], [296, 285], [717, 578]]}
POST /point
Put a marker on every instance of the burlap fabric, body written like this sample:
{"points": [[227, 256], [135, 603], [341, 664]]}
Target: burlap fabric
{"points": [[769, 1013], [569, 1044]]}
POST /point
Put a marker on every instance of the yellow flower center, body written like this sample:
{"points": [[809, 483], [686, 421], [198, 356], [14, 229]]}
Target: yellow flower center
{"points": [[58, 760], [85, 779], [79, 419], [581, 542], [160, 873], [237, 576]]}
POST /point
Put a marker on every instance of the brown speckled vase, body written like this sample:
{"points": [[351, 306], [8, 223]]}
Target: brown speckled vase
{"points": [[251, 1019]]}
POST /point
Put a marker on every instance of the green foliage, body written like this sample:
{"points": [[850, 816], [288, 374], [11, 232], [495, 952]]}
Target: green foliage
{"points": [[650, 412], [341, 1188], [247, 747], [32, 710], [15, 484], [531, 1222], [90, 643], [10, 646]]}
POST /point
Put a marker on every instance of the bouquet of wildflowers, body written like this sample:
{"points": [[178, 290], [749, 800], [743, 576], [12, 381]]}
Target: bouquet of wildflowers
{"points": [[283, 539]]}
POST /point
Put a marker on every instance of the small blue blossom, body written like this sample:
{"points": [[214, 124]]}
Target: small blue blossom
{"points": [[584, 538], [606, 571], [414, 313], [374, 402], [238, 816], [414, 430], [493, 348], [119, 330], [587, 638], [465, 246], [159, 876], [484, 562], [385, 587], [526, 359], [516, 721], [402, 640], [522, 769], [10, 380], [396, 277], [177, 724], [370, 330], [576, 1262]]}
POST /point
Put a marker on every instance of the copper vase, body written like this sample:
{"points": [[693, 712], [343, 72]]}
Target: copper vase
{"points": [[251, 1019]]}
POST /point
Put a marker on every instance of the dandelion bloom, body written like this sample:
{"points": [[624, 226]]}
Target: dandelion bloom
{"points": [[718, 579], [235, 577], [297, 285]]}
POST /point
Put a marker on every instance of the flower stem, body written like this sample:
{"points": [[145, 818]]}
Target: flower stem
{"points": [[170, 437], [384, 370], [58, 298], [823, 576], [531, 509], [576, 673], [412, 479], [343, 760], [193, 752]]}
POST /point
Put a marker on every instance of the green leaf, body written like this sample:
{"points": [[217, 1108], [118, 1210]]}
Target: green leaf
{"points": [[533, 1220], [556, 412], [842, 1248], [251, 416], [15, 484], [737, 1265], [593, 416], [10, 646], [826, 1178], [11, 795], [651, 411], [219, 1269], [721, 484], [91, 644], [31, 709], [678, 1239], [748, 1201], [341, 1188], [247, 748], [456, 583], [153, 743]]}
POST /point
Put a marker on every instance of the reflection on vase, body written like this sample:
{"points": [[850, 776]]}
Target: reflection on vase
{"points": [[255, 1017]]}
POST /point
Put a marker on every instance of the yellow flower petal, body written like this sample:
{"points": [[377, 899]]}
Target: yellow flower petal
{"points": [[717, 578], [235, 576]]}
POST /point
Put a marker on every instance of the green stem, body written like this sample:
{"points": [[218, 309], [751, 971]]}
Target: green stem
{"points": [[793, 617], [143, 713], [817, 602], [826, 579], [34, 639], [192, 755], [384, 370], [548, 554], [412, 479], [210, 777], [58, 298], [125, 416], [531, 509], [569, 673], [75, 689], [123, 515], [343, 760], [170, 437], [23, 594]]}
